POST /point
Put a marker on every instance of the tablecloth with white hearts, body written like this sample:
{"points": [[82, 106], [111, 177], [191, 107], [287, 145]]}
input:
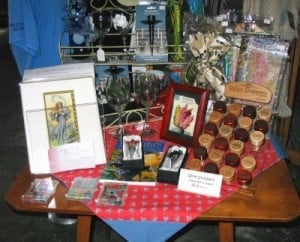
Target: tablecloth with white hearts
{"points": [[162, 202]]}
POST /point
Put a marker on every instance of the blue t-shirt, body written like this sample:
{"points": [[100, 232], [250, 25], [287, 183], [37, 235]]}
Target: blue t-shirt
{"points": [[35, 28]]}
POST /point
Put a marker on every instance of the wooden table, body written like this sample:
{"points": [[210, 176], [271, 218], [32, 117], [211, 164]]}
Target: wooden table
{"points": [[58, 204], [275, 200]]}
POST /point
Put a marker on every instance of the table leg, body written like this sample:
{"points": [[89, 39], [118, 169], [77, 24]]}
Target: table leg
{"points": [[226, 232], [84, 228]]}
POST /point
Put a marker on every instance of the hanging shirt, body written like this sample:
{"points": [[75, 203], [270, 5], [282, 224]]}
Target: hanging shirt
{"points": [[35, 28]]}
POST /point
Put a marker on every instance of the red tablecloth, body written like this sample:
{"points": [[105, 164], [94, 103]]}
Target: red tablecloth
{"points": [[162, 202]]}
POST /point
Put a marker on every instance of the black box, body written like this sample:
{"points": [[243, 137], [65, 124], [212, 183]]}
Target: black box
{"points": [[133, 154], [171, 164]]}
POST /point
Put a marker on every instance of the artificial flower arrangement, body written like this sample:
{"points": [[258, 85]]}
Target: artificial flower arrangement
{"points": [[205, 68]]}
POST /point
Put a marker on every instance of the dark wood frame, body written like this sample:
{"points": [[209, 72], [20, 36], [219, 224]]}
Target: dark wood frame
{"points": [[201, 98]]}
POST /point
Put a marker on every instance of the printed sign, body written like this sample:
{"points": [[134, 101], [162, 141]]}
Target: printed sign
{"points": [[202, 183]]}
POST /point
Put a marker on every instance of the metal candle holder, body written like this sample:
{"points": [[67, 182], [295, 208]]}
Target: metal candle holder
{"points": [[151, 22]]}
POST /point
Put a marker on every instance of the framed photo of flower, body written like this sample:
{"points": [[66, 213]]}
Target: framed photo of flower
{"points": [[184, 114]]}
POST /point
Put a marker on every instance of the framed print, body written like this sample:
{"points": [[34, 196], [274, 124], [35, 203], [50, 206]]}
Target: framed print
{"points": [[184, 114], [61, 118]]}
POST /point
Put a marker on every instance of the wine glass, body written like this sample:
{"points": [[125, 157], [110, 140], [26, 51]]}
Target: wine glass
{"points": [[123, 22], [147, 90], [117, 93], [101, 21]]}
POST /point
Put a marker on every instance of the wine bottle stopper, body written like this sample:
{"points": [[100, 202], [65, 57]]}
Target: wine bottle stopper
{"points": [[210, 128], [225, 131], [249, 111], [245, 122], [236, 146], [241, 134], [200, 152], [215, 117], [235, 109], [261, 125], [230, 119], [232, 159], [220, 106], [216, 156], [265, 113], [248, 163], [194, 164], [211, 167], [257, 139], [221, 143], [205, 140], [243, 178], [227, 173]]}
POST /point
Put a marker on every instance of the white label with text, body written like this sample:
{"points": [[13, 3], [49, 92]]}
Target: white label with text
{"points": [[202, 183]]}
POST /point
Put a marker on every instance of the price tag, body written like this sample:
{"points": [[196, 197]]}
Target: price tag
{"points": [[224, 23], [202, 183], [100, 55], [228, 30], [267, 21]]}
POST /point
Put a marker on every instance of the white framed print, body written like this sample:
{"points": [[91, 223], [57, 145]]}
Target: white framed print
{"points": [[61, 112]]}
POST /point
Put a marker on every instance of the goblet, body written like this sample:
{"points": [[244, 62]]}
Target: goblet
{"points": [[147, 88], [101, 22], [118, 97], [123, 22]]}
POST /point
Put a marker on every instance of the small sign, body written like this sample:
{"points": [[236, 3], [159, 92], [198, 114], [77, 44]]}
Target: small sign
{"points": [[248, 91], [71, 157], [100, 54], [200, 182]]}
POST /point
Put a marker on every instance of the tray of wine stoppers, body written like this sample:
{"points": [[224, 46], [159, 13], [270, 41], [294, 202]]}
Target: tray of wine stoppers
{"points": [[233, 143]]}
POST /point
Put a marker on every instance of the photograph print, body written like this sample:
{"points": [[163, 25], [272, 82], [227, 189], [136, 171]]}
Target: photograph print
{"points": [[184, 113]]}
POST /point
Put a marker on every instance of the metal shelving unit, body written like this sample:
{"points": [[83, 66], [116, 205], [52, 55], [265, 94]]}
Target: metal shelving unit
{"points": [[115, 56]]}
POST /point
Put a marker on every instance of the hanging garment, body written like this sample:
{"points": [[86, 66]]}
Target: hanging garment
{"points": [[35, 27], [285, 14]]}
